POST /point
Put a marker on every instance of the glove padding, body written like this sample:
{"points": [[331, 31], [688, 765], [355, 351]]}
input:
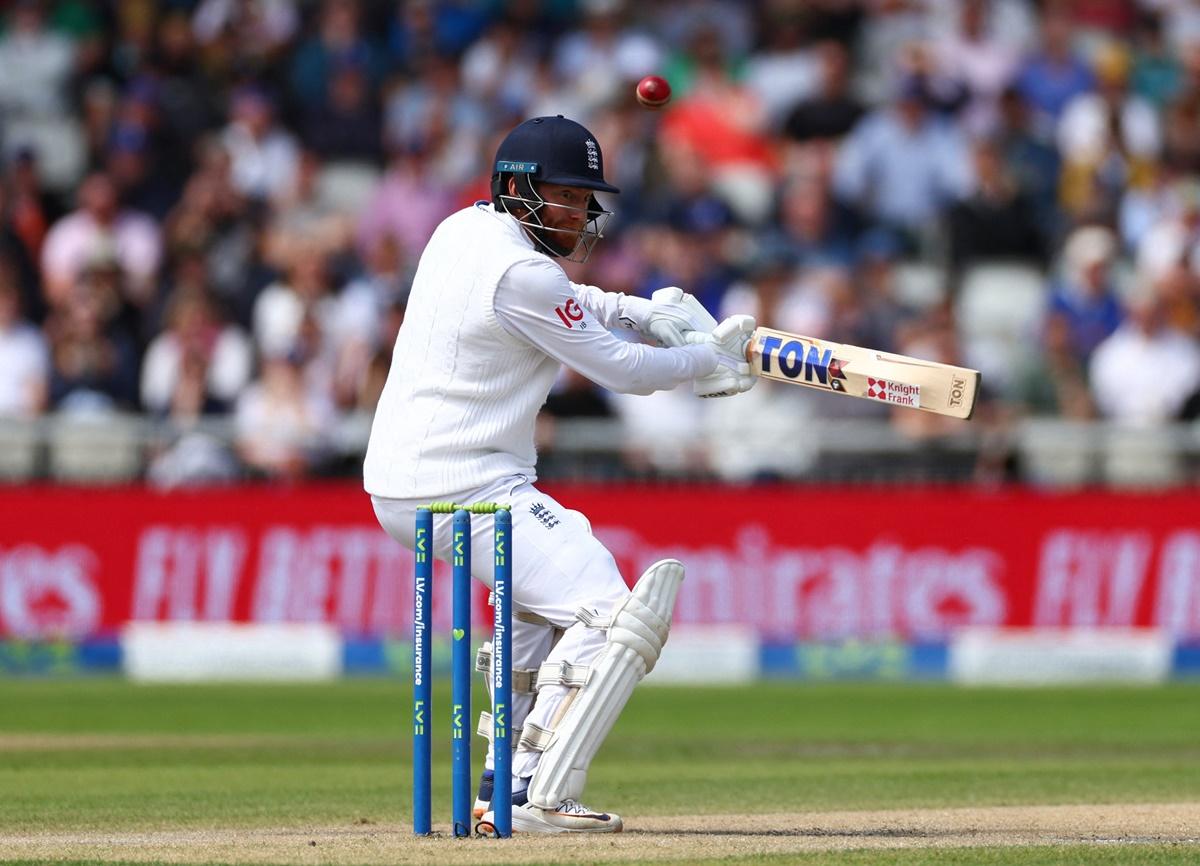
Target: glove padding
{"points": [[674, 316], [733, 376]]}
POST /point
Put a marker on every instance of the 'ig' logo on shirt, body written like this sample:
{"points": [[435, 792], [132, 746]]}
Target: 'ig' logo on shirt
{"points": [[570, 312]]}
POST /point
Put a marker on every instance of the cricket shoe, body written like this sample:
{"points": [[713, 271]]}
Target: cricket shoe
{"points": [[571, 816]]}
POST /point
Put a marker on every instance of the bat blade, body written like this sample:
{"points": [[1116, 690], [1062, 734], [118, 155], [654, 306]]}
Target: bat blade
{"points": [[867, 373]]}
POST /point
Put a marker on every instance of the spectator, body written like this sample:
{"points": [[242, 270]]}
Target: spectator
{"points": [[407, 206], [1180, 23], [819, 233], [37, 64], [338, 44], [356, 326], [98, 115], [94, 364], [1032, 163], [500, 67], [773, 289], [1053, 382], [99, 225], [281, 308], [187, 100], [15, 257], [984, 64], [301, 217], [377, 370], [1085, 296], [281, 426], [1179, 290], [195, 344], [689, 251], [785, 70], [420, 30], [432, 115], [1108, 140], [24, 356], [724, 124], [663, 433], [902, 165], [831, 111], [1181, 132], [604, 54], [244, 31], [1055, 75], [346, 125], [1157, 73], [1122, 390], [1173, 236], [142, 185], [883, 322], [264, 154], [31, 209], [996, 219], [887, 31]]}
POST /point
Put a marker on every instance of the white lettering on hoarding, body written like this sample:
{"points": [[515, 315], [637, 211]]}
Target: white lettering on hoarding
{"points": [[1178, 606], [826, 592], [185, 573], [49, 593], [1090, 578], [354, 577]]}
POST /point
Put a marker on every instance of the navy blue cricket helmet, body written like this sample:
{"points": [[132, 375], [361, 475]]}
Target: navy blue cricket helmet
{"points": [[551, 150]]}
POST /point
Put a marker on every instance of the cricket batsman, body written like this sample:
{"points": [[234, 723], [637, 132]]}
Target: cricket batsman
{"points": [[491, 317]]}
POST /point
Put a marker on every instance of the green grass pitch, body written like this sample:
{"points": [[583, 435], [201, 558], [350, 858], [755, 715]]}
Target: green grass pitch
{"points": [[92, 755]]}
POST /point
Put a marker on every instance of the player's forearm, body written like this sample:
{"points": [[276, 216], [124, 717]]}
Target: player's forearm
{"points": [[613, 309], [661, 370], [640, 369]]}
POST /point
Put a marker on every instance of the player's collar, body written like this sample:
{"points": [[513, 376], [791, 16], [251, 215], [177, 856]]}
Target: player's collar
{"points": [[510, 222]]}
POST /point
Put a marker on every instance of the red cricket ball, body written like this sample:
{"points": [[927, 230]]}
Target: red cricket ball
{"points": [[653, 92]]}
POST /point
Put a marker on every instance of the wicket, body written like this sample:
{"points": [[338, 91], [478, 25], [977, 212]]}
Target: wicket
{"points": [[461, 666]]}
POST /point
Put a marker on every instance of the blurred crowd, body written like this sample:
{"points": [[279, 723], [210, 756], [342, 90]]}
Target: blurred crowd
{"points": [[213, 208]]}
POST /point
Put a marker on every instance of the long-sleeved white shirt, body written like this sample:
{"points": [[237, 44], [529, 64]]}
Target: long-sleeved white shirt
{"points": [[489, 321]]}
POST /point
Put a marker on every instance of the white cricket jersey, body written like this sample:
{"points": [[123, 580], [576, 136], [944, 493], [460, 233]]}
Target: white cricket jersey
{"points": [[488, 322]]}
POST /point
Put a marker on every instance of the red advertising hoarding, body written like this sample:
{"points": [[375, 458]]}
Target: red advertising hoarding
{"points": [[794, 562]]}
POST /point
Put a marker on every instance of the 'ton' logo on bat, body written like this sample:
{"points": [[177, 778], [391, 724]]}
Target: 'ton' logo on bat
{"points": [[958, 390], [796, 360]]}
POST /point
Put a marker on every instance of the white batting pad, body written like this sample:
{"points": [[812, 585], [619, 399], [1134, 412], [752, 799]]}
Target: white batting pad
{"points": [[635, 639]]}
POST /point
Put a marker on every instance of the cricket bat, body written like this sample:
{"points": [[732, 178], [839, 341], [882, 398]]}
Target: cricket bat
{"points": [[866, 373]]}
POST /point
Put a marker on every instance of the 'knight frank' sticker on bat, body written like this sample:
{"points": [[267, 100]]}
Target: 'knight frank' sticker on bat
{"points": [[899, 393]]}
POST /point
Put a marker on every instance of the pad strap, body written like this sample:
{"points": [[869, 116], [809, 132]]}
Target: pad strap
{"points": [[523, 681], [522, 615], [592, 619], [486, 730], [534, 738], [529, 737], [562, 674]]}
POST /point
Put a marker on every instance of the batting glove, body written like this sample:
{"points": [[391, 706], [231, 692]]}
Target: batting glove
{"points": [[733, 376], [674, 315]]}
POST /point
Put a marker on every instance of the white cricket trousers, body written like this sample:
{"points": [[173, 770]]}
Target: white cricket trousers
{"points": [[558, 567]]}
